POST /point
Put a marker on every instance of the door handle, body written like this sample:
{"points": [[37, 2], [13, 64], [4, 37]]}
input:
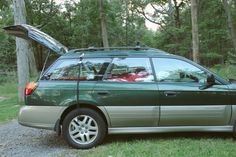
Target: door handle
{"points": [[170, 93], [103, 93]]}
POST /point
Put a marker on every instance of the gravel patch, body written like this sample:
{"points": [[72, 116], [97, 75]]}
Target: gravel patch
{"points": [[20, 141]]}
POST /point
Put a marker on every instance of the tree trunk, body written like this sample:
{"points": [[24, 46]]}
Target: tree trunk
{"points": [[103, 24], [177, 14], [195, 38], [22, 48], [230, 23], [39, 50], [170, 12], [32, 63]]}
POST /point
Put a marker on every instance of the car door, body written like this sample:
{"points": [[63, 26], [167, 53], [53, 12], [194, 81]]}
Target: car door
{"points": [[182, 102], [128, 93], [92, 71]]}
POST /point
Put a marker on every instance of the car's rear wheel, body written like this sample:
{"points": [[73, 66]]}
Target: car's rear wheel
{"points": [[83, 128]]}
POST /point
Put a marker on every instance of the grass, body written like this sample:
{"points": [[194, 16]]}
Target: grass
{"points": [[9, 107], [162, 145]]}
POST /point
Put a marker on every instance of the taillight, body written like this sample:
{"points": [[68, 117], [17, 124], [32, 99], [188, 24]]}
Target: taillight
{"points": [[29, 88]]}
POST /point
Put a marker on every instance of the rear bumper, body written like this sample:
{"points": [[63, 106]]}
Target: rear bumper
{"points": [[44, 117]]}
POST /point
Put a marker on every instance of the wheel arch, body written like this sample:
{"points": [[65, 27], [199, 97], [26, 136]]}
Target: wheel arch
{"points": [[101, 110]]}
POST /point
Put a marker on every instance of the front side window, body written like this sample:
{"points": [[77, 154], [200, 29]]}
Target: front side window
{"points": [[174, 70], [71, 69], [130, 70]]}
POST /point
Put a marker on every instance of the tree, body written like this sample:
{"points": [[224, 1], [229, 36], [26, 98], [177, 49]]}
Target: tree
{"points": [[32, 63], [30, 53], [103, 24], [230, 23], [38, 13], [22, 47], [195, 38], [4, 3], [7, 44]]}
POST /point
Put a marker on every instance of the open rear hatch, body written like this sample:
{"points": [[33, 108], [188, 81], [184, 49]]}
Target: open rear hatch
{"points": [[31, 33]]}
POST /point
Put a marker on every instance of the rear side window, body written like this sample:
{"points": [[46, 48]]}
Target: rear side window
{"points": [[130, 70], [70, 69]]}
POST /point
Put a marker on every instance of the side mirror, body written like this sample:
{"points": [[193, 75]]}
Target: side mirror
{"points": [[210, 82], [211, 79]]}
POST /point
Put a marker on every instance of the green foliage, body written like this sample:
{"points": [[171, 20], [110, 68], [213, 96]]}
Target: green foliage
{"points": [[209, 59], [176, 40], [225, 71], [76, 24], [215, 42], [7, 46], [4, 4], [214, 35], [231, 58]]}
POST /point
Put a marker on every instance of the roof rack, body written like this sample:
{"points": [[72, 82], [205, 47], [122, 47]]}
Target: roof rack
{"points": [[110, 48]]}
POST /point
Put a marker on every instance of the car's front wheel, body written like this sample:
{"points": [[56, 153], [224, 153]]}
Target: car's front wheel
{"points": [[83, 128]]}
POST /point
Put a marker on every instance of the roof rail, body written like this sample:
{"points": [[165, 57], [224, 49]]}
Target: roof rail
{"points": [[111, 48]]}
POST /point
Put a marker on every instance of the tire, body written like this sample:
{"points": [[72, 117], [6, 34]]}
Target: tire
{"points": [[83, 128]]}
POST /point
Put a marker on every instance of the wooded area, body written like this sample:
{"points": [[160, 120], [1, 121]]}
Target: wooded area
{"points": [[203, 31]]}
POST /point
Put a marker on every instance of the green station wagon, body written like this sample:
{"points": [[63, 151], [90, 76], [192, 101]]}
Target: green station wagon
{"points": [[89, 93]]}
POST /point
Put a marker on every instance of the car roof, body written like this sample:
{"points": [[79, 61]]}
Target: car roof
{"points": [[116, 52]]}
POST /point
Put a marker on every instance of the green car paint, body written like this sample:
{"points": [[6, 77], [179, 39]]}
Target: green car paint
{"points": [[142, 104]]}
